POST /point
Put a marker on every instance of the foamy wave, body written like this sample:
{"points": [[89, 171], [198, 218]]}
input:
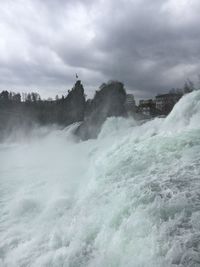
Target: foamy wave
{"points": [[128, 198]]}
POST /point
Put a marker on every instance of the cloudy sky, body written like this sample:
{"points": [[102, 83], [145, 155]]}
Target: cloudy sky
{"points": [[150, 45]]}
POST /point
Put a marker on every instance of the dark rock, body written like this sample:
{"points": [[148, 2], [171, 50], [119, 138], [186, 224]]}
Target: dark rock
{"points": [[75, 104], [108, 101]]}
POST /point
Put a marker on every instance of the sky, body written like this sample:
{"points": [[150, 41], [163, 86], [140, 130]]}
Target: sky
{"points": [[149, 45]]}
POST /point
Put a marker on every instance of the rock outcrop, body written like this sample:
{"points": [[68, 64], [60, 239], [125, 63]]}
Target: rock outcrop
{"points": [[75, 104], [108, 101]]}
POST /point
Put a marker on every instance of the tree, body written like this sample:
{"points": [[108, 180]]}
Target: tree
{"points": [[4, 96], [16, 98], [188, 87], [28, 97]]}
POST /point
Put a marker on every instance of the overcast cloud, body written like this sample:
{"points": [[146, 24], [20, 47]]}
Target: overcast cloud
{"points": [[150, 45]]}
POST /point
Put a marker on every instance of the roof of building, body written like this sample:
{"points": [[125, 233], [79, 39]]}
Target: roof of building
{"points": [[168, 95]]}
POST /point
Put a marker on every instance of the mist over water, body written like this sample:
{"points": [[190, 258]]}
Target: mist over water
{"points": [[129, 198]]}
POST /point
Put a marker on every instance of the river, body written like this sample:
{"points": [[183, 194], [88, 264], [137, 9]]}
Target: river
{"points": [[130, 198]]}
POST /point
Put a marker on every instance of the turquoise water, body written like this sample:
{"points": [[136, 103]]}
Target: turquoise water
{"points": [[129, 198]]}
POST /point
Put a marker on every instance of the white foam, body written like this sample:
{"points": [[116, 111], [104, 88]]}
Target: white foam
{"points": [[129, 198]]}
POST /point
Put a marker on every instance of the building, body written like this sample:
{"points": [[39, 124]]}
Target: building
{"points": [[130, 103], [165, 103], [147, 107], [144, 102]]}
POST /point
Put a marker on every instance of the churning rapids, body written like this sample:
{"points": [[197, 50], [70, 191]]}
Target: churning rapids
{"points": [[129, 198]]}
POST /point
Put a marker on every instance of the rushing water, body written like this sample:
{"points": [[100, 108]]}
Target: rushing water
{"points": [[130, 198]]}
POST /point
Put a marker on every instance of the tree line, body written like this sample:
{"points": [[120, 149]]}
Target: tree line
{"points": [[28, 108]]}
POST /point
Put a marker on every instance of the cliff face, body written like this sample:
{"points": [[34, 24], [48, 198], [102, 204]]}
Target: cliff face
{"points": [[108, 101], [75, 104]]}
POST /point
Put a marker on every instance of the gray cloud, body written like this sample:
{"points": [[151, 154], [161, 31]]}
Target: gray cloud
{"points": [[151, 46]]}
